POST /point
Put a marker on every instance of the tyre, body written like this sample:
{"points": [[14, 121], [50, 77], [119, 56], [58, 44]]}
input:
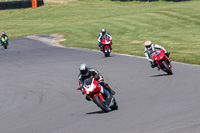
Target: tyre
{"points": [[5, 45], [100, 104], [166, 67], [115, 106], [108, 53]]}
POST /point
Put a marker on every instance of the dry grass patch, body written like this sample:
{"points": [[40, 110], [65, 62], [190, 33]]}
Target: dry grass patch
{"points": [[53, 39]]}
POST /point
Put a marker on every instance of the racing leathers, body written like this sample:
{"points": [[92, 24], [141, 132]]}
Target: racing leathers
{"points": [[100, 38], [95, 74], [149, 51]]}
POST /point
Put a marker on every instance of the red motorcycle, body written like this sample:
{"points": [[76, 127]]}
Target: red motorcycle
{"points": [[162, 61], [94, 91], [106, 46]]}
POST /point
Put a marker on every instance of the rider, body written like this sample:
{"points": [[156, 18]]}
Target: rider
{"points": [[3, 34], [101, 34], [86, 72], [150, 48]]}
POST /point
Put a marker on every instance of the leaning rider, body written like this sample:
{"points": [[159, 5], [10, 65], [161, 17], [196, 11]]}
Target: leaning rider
{"points": [[101, 35], [150, 48], [86, 72], [3, 34]]}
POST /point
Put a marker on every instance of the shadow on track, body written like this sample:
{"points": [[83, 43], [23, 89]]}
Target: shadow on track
{"points": [[100, 112], [160, 75], [2, 49], [96, 112], [109, 56]]}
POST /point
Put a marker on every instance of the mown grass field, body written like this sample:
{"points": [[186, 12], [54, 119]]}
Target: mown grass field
{"points": [[176, 26], [9, 0]]}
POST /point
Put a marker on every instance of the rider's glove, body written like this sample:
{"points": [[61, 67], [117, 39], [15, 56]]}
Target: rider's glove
{"points": [[100, 80], [96, 77], [167, 54], [80, 88], [151, 60]]}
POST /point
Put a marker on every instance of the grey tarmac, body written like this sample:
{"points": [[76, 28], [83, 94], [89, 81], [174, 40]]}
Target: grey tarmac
{"points": [[38, 92]]}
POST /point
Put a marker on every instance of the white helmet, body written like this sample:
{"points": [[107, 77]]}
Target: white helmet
{"points": [[148, 44], [103, 30], [84, 69]]}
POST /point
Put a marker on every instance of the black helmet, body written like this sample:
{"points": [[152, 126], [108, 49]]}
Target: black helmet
{"points": [[84, 69]]}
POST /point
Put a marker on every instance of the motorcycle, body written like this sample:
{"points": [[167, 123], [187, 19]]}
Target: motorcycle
{"points": [[4, 42], [93, 90], [106, 46], [162, 61]]}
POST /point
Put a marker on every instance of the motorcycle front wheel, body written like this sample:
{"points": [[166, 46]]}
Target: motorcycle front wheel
{"points": [[107, 54], [167, 68], [100, 104], [5, 45]]}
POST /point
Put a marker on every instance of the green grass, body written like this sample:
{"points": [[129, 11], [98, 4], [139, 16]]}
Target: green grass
{"points": [[176, 26], [9, 0]]}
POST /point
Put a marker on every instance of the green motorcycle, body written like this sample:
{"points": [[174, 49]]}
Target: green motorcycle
{"points": [[4, 42]]}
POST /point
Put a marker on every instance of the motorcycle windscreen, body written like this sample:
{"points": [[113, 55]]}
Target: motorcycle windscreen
{"points": [[156, 53], [87, 82]]}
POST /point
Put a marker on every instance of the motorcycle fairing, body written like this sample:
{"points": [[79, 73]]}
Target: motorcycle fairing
{"points": [[89, 85], [159, 56]]}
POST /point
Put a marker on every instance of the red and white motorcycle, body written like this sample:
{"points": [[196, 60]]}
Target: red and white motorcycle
{"points": [[163, 61], [94, 91], [106, 46]]}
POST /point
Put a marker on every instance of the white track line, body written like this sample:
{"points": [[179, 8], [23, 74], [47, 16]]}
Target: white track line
{"points": [[130, 56]]}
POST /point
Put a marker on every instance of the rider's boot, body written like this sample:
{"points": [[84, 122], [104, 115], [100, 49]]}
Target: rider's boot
{"points": [[107, 87], [152, 64], [87, 98], [169, 60], [158, 68]]}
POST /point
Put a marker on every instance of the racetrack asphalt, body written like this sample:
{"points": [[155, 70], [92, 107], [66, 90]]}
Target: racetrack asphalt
{"points": [[38, 92]]}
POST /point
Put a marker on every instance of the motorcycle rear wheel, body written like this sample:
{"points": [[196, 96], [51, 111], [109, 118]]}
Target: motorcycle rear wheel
{"points": [[100, 104]]}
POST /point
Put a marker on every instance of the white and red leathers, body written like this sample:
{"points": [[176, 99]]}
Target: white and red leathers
{"points": [[149, 51]]}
